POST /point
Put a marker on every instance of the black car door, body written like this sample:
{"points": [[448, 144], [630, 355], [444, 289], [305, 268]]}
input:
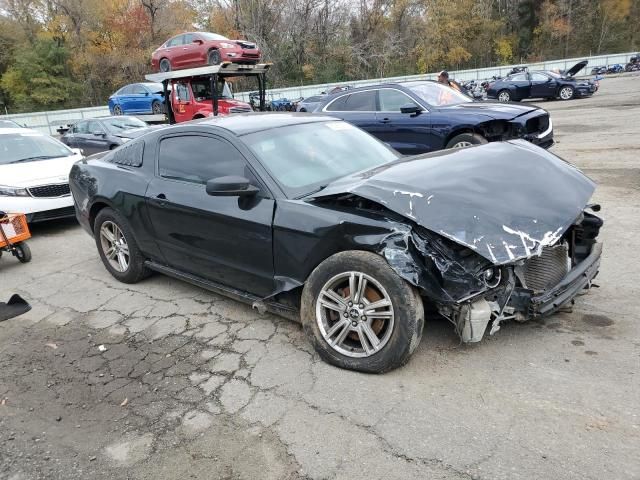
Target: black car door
{"points": [[521, 84], [224, 239], [408, 133], [359, 109], [542, 85], [96, 139], [81, 137]]}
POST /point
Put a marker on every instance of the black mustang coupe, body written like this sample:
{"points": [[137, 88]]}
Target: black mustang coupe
{"points": [[542, 84], [314, 219]]}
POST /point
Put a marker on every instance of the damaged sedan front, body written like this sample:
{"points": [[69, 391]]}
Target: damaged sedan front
{"points": [[314, 219]]}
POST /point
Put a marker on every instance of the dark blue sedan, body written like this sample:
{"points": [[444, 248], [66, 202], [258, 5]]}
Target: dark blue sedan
{"points": [[424, 116], [137, 98]]}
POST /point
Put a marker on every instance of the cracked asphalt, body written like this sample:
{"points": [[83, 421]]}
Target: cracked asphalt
{"points": [[162, 380]]}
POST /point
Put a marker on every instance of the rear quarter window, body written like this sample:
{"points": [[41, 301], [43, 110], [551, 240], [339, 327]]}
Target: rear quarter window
{"points": [[129, 154]]}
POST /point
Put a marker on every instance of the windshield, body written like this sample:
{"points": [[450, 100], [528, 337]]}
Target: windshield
{"points": [[202, 89], [8, 124], [23, 147], [121, 124], [212, 36], [304, 158], [436, 94]]}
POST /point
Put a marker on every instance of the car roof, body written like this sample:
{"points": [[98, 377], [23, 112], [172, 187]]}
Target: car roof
{"points": [[244, 123], [7, 131]]}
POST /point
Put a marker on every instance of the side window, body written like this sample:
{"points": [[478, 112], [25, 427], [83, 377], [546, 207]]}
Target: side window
{"points": [[339, 104], [362, 102], [391, 100], [95, 127], [520, 77], [138, 89], [182, 92], [196, 158], [81, 127], [187, 39], [130, 154], [539, 77], [174, 42]]}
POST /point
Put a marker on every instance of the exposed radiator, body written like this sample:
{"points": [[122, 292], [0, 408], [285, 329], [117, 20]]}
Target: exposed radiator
{"points": [[546, 271]]}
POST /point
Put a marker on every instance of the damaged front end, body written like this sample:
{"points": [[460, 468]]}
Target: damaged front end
{"points": [[494, 233]]}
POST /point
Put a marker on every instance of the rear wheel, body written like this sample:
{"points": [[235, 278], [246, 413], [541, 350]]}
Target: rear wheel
{"points": [[214, 57], [466, 140], [23, 252], [156, 107], [117, 110], [165, 65], [504, 96], [566, 93], [359, 314], [118, 250]]}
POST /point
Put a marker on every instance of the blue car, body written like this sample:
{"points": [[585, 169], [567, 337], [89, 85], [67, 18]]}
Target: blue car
{"points": [[138, 98], [425, 116]]}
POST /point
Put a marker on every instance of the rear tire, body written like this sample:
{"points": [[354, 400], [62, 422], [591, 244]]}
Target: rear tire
{"points": [[466, 140], [23, 252], [214, 57], [358, 336], [504, 96], [165, 65], [117, 247]]}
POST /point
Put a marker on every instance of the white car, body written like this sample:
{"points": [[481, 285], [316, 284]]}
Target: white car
{"points": [[34, 175]]}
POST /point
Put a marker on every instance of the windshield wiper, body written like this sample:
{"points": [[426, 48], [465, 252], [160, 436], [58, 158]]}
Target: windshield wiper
{"points": [[39, 157], [319, 189]]}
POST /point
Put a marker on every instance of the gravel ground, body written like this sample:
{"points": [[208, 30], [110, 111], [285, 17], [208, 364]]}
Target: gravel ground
{"points": [[191, 385]]}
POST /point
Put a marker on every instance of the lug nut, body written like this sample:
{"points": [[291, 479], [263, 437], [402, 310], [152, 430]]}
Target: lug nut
{"points": [[354, 324], [345, 314], [363, 317], [361, 305], [351, 304]]}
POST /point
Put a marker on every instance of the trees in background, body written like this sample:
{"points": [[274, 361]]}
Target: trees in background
{"points": [[68, 53]]}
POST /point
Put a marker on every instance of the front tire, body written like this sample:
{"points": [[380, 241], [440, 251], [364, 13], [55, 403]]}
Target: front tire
{"points": [[359, 314], [214, 57], [566, 93], [117, 110], [117, 248], [466, 140], [156, 108]]}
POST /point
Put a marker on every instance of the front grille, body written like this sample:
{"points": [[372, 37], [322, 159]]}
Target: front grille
{"points": [[537, 124], [50, 191], [52, 214], [239, 109], [546, 271]]}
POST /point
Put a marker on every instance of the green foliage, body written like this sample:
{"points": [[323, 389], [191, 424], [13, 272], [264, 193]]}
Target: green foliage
{"points": [[38, 77]]}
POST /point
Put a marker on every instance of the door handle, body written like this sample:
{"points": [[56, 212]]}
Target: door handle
{"points": [[385, 120]]}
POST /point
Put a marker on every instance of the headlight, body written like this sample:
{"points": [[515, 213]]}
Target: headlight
{"points": [[227, 45], [491, 277], [6, 191]]}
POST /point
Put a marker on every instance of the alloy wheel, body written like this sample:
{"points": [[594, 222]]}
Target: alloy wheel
{"points": [[117, 110], [157, 108], [566, 93], [114, 246], [504, 97], [165, 65], [355, 314], [462, 144]]}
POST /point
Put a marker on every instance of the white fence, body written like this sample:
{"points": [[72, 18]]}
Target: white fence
{"points": [[48, 122]]}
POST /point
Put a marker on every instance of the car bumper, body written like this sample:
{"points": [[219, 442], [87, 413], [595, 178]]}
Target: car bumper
{"points": [[39, 209], [579, 278], [542, 138], [585, 93]]}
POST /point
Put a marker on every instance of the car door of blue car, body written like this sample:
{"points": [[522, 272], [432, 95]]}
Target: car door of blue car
{"points": [[140, 99], [357, 108], [542, 85], [408, 133], [521, 85]]}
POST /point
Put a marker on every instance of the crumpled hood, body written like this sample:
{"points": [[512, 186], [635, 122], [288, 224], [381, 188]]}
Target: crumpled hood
{"points": [[495, 110], [503, 200]]}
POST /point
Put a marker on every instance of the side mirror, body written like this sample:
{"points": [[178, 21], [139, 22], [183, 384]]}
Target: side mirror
{"points": [[410, 108], [99, 134], [198, 41], [231, 186], [146, 94]]}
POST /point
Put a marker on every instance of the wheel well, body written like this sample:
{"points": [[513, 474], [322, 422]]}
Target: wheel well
{"points": [[459, 132], [198, 115], [112, 147], [93, 212]]}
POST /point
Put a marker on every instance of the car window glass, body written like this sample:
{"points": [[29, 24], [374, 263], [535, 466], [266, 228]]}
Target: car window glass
{"points": [[126, 90], [539, 77], [521, 77], [95, 127], [391, 100], [361, 102], [188, 38], [182, 92], [197, 159], [30, 146], [81, 127], [138, 90], [338, 105], [175, 41]]}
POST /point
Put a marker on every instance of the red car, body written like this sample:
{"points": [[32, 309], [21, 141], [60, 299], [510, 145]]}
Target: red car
{"points": [[195, 49], [191, 99]]}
